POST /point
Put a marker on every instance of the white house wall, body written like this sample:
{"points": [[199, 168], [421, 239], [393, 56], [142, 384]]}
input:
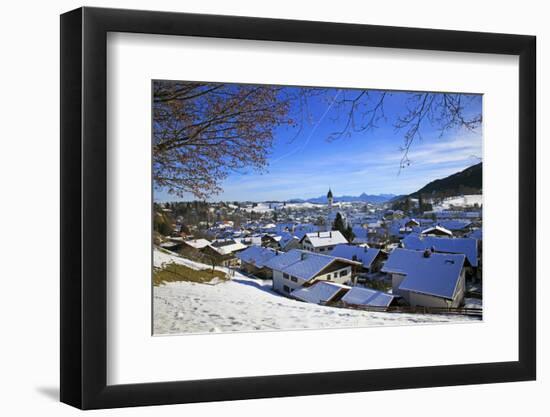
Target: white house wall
{"points": [[279, 281], [423, 300], [334, 276], [396, 280]]}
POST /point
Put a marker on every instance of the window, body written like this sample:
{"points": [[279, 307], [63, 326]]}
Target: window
{"points": [[286, 276], [328, 277], [286, 288], [294, 279], [343, 273]]}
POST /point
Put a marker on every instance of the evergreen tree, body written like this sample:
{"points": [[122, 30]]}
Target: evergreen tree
{"points": [[339, 223], [349, 235]]}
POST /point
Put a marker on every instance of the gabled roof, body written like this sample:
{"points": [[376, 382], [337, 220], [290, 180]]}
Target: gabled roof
{"points": [[320, 239], [321, 291], [410, 222], [362, 254], [270, 236], [361, 234], [367, 297], [256, 255], [437, 230], [476, 234], [286, 238], [225, 247], [453, 225], [303, 264], [436, 274], [466, 246], [197, 243]]}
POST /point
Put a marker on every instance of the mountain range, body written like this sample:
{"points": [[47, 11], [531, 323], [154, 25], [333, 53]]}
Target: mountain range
{"points": [[367, 198]]}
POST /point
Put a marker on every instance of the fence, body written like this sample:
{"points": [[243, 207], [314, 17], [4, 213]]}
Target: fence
{"points": [[410, 309]]}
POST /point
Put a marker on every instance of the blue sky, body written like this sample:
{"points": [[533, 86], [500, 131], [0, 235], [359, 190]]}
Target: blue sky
{"points": [[307, 164]]}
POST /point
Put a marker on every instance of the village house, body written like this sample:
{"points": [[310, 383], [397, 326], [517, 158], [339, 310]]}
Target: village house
{"points": [[284, 241], [408, 226], [465, 246], [437, 231], [322, 241], [223, 252], [171, 245], [424, 278], [370, 258], [192, 248], [253, 261], [458, 227], [289, 242], [270, 240], [361, 235], [297, 268]]}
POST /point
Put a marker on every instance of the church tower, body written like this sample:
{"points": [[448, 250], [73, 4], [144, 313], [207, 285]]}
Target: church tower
{"points": [[330, 199]]}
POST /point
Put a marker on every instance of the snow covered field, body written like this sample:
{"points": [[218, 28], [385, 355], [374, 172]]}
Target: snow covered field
{"points": [[462, 201], [247, 304]]}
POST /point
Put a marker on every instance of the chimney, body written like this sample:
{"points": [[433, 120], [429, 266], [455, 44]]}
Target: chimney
{"points": [[330, 234], [427, 253], [303, 256]]}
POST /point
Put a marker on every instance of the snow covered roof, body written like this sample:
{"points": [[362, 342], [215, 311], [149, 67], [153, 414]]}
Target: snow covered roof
{"points": [[361, 234], [436, 274], [301, 229], [466, 246], [321, 239], [302, 264], [169, 244], [256, 255], [197, 243], [286, 238], [476, 234], [250, 240], [437, 230], [225, 247], [453, 225], [362, 254], [367, 297], [273, 237], [411, 222], [321, 291]]}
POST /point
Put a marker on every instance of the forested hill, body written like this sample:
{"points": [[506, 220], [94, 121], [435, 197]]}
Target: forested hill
{"points": [[468, 181]]}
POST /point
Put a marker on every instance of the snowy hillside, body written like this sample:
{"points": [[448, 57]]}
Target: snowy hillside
{"points": [[460, 201], [245, 304]]}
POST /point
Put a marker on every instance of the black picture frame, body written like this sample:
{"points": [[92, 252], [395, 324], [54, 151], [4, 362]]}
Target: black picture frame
{"points": [[84, 207]]}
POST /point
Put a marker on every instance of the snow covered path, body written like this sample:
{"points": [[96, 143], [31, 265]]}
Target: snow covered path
{"points": [[244, 304]]}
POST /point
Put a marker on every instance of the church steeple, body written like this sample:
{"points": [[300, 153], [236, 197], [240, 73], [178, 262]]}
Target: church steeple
{"points": [[330, 199]]}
